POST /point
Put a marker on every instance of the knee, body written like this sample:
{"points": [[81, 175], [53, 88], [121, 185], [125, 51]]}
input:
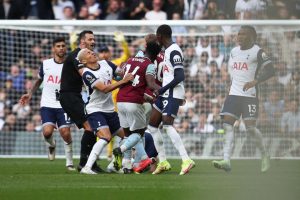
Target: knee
{"points": [[65, 131], [104, 135], [47, 132]]}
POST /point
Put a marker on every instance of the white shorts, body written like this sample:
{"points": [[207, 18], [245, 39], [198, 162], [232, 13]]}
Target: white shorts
{"points": [[148, 109], [132, 115]]}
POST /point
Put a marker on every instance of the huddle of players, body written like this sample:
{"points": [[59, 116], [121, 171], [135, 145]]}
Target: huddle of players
{"points": [[97, 117], [141, 78], [140, 75]]}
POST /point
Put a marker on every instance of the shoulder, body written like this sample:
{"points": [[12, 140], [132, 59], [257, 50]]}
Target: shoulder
{"points": [[49, 61], [175, 56], [88, 76], [235, 49], [111, 64]]}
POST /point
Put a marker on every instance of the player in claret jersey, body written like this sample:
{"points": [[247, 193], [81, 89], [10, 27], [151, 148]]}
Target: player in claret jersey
{"points": [[170, 97], [130, 101], [141, 152], [248, 66]]}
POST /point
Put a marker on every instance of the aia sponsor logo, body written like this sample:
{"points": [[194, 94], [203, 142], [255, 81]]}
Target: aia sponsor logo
{"points": [[166, 69], [53, 79], [240, 66]]}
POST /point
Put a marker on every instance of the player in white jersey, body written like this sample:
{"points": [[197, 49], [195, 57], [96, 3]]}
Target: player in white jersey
{"points": [[248, 66], [170, 97], [97, 77], [53, 116]]}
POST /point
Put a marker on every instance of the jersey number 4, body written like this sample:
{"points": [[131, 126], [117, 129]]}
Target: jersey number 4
{"points": [[136, 80]]}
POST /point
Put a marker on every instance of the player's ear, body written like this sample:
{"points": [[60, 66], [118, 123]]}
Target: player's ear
{"points": [[84, 61]]}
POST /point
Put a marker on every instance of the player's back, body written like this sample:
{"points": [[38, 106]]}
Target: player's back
{"points": [[50, 73], [158, 63], [133, 91], [71, 80]]}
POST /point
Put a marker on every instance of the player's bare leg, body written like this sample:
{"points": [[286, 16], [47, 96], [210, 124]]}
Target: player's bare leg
{"points": [[187, 162], [104, 136], [155, 121], [66, 136], [49, 140]]}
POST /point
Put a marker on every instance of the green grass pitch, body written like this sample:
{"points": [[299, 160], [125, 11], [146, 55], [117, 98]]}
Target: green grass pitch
{"points": [[42, 180]]}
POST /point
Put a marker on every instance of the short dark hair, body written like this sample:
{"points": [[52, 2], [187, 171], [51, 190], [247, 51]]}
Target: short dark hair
{"points": [[82, 34], [251, 29], [164, 30], [153, 48], [57, 40]]}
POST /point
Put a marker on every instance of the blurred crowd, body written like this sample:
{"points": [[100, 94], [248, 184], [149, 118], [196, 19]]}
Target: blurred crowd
{"points": [[149, 9], [207, 79]]}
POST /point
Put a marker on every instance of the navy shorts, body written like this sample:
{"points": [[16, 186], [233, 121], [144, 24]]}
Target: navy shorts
{"points": [[149, 146], [237, 106], [167, 106], [99, 120], [55, 116]]}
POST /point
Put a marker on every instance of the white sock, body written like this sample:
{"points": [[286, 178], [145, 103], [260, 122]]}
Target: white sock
{"points": [[229, 135], [176, 140], [50, 141], [69, 153], [97, 149], [158, 142], [259, 139], [126, 163], [130, 142]]}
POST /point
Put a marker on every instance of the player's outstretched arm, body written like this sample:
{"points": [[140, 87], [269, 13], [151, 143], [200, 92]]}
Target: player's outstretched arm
{"points": [[25, 98], [108, 88]]}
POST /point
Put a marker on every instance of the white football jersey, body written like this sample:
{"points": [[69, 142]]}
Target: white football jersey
{"points": [[97, 100], [173, 59], [243, 67], [50, 73]]}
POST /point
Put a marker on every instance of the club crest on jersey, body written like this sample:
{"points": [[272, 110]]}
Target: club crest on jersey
{"points": [[240, 66]]}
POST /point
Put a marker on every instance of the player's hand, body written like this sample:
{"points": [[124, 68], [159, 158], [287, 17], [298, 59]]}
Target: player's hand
{"points": [[73, 40], [249, 85], [148, 98], [25, 98], [156, 93], [128, 77], [183, 102], [119, 36]]}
